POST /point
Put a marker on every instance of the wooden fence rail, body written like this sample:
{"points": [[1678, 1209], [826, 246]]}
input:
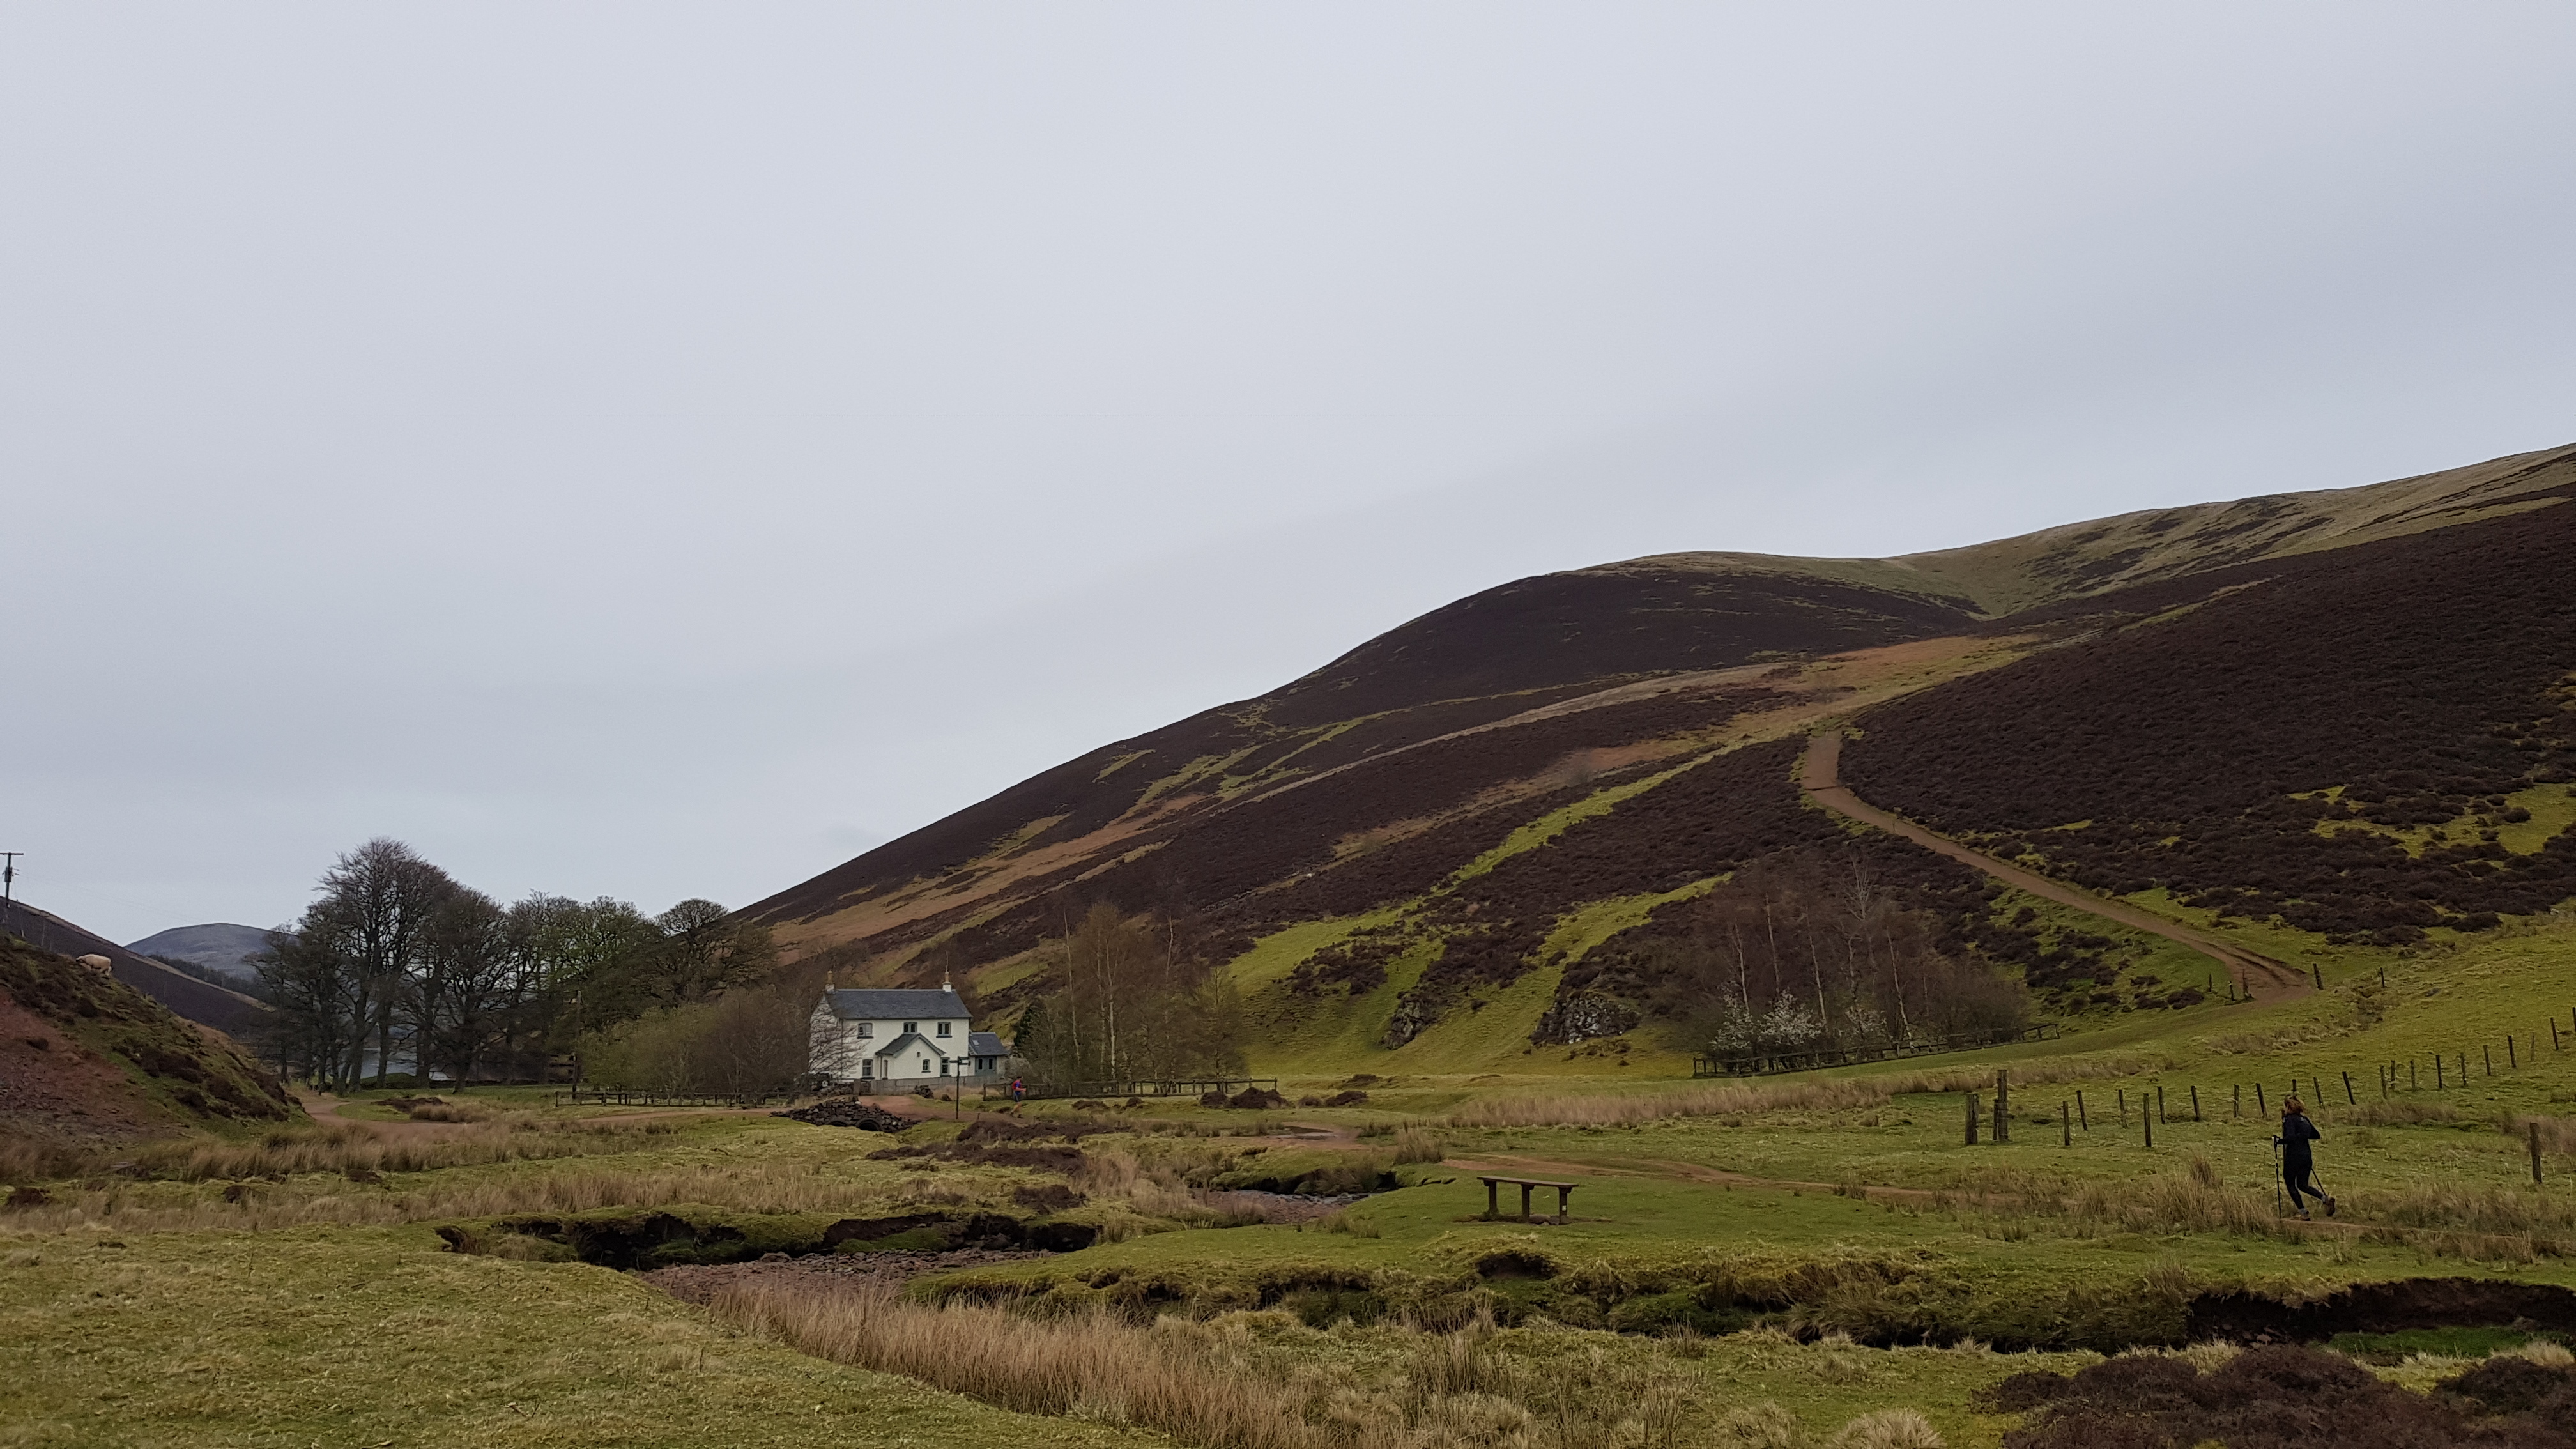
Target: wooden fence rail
{"points": [[1175, 1088], [624, 1097]]}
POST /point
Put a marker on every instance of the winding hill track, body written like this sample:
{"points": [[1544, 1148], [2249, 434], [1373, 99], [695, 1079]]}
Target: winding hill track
{"points": [[2260, 976]]}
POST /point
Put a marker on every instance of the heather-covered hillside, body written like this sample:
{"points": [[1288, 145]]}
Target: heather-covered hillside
{"points": [[2360, 744], [1561, 800]]}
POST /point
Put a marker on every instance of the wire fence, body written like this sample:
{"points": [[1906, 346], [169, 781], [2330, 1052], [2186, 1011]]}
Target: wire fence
{"points": [[2389, 1082]]}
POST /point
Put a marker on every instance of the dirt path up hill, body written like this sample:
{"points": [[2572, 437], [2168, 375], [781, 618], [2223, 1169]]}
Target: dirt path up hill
{"points": [[2261, 976]]}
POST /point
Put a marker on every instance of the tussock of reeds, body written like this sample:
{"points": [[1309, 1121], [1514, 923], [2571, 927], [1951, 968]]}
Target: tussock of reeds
{"points": [[1412, 1144], [2557, 1134], [1108, 1370], [2191, 1201], [452, 1112], [1218, 1386], [2389, 1112], [37, 1161], [2463, 1208]]}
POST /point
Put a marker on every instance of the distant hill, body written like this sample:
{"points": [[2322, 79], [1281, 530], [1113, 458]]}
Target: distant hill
{"points": [[86, 1059], [217, 946], [1506, 803], [199, 1001]]}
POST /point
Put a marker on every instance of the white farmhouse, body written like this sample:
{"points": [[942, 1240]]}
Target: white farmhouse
{"points": [[899, 1038]]}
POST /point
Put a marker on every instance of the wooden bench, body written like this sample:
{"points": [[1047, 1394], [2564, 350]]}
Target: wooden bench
{"points": [[1493, 1188]]}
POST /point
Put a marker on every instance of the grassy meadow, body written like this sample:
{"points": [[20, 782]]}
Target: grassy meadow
{"points": [[1811, 1259]]}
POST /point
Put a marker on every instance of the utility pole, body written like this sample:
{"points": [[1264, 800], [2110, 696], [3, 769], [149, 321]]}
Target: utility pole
{"points": [[9, 874]]}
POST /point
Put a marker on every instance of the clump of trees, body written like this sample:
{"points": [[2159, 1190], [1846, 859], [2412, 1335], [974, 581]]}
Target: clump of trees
{"points": [[1803, 952], [398, 962], [1133, 1001]]}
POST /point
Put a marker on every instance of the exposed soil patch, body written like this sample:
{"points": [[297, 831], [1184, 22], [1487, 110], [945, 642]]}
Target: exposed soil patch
{"points": [[87, 1059], [2274, 1398], [865, 1116], [836, 1273], [2383, 1308], [629, 1239], [1043, 1146]]}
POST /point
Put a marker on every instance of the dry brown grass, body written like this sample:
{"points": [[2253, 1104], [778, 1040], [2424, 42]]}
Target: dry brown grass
{"points": [[322, 1197], [2549, 1218], [2192, 1201], [1708, 1099], [1412, 1144], [452, 1112], [2557, 1134], [33, 1160], [1214, 1385], [2390, 1112], [1106, 1369], [352, 1148], [2484, 1222], [1744, 1098]]}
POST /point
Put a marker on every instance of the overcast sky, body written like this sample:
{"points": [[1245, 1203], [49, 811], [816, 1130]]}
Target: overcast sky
{"points": [[665, 450]]}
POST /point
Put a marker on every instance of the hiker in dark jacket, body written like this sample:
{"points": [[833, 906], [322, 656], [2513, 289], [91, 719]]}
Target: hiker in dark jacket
{"points": [[2298, 1164]]}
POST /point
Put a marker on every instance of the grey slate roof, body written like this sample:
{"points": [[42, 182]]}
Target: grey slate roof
{"points": [[884, 1003], [985, 1044]]}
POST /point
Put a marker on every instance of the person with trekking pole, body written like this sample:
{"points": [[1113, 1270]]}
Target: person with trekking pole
{"points": [[2298, 1163]]}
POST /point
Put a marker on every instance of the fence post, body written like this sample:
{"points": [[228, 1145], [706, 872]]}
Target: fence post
{"points": [[2535, 1154], [2510, 1060], [2003, 1106], [2150, 1122], [2195, 1103], [2259, 1109], [2439, 1067], [2066, 1127], [2348, 1097], [2487, 1052], [2160, 1103], [2124, 1108], [1972, 1119], [2236, 1108], [2081, 1119], [2317, 1089]]}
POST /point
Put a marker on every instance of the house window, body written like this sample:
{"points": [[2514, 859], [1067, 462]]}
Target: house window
{"points": [[867, 1070], [866, 1029], [943, 1028], [925, 1066], [912, 1026]]}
